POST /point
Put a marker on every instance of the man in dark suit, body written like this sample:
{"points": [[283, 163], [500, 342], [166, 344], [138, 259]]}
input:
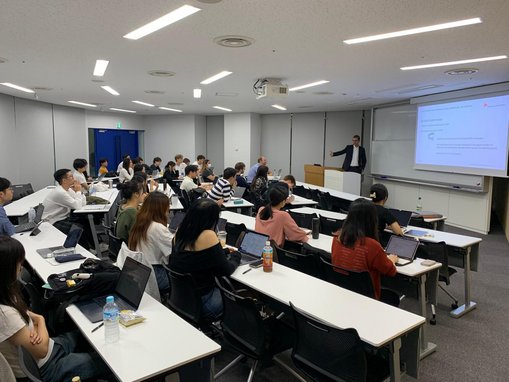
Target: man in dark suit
{"points": [[355, 159]]}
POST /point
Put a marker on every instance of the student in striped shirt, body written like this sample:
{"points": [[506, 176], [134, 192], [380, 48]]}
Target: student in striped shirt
{"points": [[223, 189]]}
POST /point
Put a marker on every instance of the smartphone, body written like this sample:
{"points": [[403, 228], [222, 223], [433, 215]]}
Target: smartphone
{"points": [[256, 264]]}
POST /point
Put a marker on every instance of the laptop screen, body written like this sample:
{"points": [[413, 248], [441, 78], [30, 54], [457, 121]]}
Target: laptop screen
{"points": [[38, 215], [73, 237], [176, 220], [253, 243], [402, 246], [221, 225], [132, 281], [239, 192], [402, 216]]}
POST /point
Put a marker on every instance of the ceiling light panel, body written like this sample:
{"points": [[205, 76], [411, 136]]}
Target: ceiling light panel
{"points": [[216, 77], [483, 59], [197, 93], [110, 90], [143, 103], [407, 32], [279, 107], [222, 108], [161, 22], [309, 85], [100, 67], [82, 103], [122, 110], [17, 87], [170, 109]]}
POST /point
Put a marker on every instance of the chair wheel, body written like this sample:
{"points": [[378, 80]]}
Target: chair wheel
{"points": [[454, 306], [433, 321]]}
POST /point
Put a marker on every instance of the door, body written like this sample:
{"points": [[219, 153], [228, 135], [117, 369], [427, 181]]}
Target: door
{"points": [[113, 145]]}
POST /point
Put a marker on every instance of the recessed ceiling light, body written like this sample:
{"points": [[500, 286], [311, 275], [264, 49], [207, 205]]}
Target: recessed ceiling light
{"points": [[17, 87], [100, 67], [462, 71], [170, 109], [143, 103], [407, 32], [493, 58], [197, 93], [279, 107], [216, 77], [110, 90], [221, 108], [161, 22], [160, 73], [82, 103], [234, 41], [308, 85], [122, 110]]}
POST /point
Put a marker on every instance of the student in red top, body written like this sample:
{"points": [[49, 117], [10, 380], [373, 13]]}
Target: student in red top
{"points": [[357, 248], [278, 224]]}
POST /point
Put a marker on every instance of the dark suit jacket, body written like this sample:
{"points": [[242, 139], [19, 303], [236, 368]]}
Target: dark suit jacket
{"points": [[348, 158]]}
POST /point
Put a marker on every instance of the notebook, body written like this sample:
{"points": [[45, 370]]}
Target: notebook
{"points": [[403, 217], [30, 226], [128, 293], [404, 247], [239, 192], [251, 246], [71, 241]]}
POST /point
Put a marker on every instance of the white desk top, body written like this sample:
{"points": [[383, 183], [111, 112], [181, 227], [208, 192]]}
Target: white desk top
{"points": [[376, 322], [110, 195], [20, 207], [324, 213], [451, 239], [236, 218], [300, 201], [230, 204], [160, 344], [49, 237]]}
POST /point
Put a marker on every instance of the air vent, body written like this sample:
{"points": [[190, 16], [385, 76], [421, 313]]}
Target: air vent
{"points": [[41, 89], [161, 73], [154, 92], [323, 93], [97, 81], [210, 1], [234, 41], [227, 94], [462, 71], [304, 107], [419, 88], [175, 103]]}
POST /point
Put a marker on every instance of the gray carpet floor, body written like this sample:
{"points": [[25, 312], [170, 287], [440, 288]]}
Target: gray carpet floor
{"points": [[474, 347]]}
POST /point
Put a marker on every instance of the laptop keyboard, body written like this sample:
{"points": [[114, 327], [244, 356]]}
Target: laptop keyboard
{"points": [[25, 227]]}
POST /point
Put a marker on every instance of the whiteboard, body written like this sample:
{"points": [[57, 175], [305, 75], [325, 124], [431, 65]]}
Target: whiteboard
{"points": [[393, 150]]}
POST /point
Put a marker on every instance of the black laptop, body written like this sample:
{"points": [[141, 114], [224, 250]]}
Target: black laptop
{"points": [[402, 216], [251, 246], [404, 247], [71, 241], [175, 221], [128, 292], [30, 226]]}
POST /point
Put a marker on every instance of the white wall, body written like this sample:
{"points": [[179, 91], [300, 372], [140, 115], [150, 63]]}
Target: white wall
{"points": [[70, 135], [8, 143], [215, 142], [307, 141], [256, 132], [237, 142], [275, 141], [341, 127], [107, 120], [200, 137]]}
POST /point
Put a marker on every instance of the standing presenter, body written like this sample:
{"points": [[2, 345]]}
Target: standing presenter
{"points": [[355, 159]]}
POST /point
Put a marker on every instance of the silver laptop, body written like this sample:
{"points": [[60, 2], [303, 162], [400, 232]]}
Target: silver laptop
{"points": [[238, 192], [251, 246], [405, 248], [30, 226], [71, 241]]}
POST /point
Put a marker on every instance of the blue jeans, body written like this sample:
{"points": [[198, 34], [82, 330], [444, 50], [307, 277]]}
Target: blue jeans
{"points": [[212, 304], [63, 364], [163, 282]]}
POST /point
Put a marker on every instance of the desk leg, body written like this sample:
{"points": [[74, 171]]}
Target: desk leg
{"points": [[469, 305], [395, 360], [426, 347], [94, 233]]}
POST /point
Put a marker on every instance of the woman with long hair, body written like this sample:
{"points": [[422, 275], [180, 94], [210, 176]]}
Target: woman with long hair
{"points": [[150, 235], [132, 196], [357, 247], [278, 224], [126, 172], [259, 186], [197, 251], [19, 326], [379, 195]]}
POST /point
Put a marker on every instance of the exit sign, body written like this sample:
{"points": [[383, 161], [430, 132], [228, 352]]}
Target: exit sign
{"points": [[119, 125]]}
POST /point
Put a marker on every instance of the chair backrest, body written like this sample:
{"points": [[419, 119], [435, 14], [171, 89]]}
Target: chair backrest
{"points": [[21, 190], [439, 253], [184, 298], [359, 282], [298, 261], [324, 201], [28, 365], [327, 353], [114, 245], [233, 232], [329, 226], [302, 220], [419, 222], [6, 374], [242, 323], [302, 191], [184, 200]]}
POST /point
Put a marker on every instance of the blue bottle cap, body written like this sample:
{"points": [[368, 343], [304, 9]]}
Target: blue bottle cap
{"points": [[110, 299]]}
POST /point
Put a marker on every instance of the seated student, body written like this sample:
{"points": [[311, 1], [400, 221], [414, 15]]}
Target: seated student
{"points": [[188, 183], [148, 185], [278, 224], [199, 161], [207, 172], [240, 178], [379, 195], [56, 358], [187, 161], [171, 171], [6, 227], [126, 173], [180, 166], [121, 164], [223, 189], [259, 186], [288, 183], [155, 166], [80, 168], [139, 160], [132, 196], [103, 163], [138, 167], [262, 161], [150, 235], [357, 248], [197, 251]]}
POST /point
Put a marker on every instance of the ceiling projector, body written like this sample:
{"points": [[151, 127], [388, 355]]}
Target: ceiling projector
{"points": [[270, 88]]}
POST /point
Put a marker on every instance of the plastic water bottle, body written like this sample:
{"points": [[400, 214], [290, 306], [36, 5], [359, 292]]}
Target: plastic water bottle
{"points": [[418, 208], [92, 190], [267, 257], [110, 318], [31, 214]]}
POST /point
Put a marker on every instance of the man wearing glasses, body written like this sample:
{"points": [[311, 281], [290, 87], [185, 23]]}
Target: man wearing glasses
{"points": [[355, 159], [6, 227]]}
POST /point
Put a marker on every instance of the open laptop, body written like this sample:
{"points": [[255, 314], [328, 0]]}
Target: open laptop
{"points": [[403, 218], [175, 221], [71, 241], [239, 192], [99, 179], [128, 292], [404, 247], [30, 226], [221, 225], [251, 246]]}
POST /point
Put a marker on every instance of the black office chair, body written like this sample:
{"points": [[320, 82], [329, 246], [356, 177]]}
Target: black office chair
{"points": [[28, 365], [359, 282], [302, 191], [303, 220], [305, 263], [254, 334], [184, 200], [325, 353], [32, 294], [419, 222], [233, 232], [329, 226], [114, 245], [21, 190]]}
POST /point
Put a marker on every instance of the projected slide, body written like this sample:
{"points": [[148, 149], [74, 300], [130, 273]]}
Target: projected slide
{"points": [[464, 136]]}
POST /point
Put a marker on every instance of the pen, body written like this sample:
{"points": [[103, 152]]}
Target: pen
{"points": [[246, 271], [98, 327]]}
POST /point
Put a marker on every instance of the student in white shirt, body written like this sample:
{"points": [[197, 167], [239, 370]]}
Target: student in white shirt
{"points": [[188, 183], [121, 164], [199, 161], [126, 173], [80, 167], [180, 166], [150, 235]]}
